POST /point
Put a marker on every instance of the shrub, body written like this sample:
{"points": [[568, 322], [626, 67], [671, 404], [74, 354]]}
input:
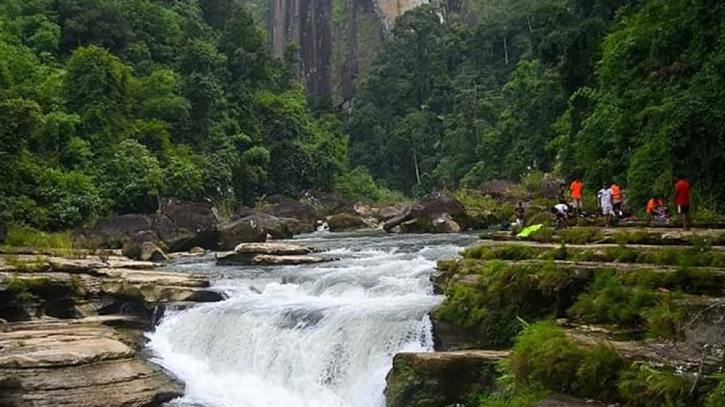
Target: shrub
{"points": [[598, 372], [643, 386], [610, 301], [359, 186], [543, 354], [716, 398], [664, 319]]}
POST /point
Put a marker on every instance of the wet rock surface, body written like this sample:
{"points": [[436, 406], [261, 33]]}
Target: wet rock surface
{"points": [[74, 327], [268, 254]]}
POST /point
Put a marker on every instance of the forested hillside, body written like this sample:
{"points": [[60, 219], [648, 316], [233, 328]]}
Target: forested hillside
{"points": [[107, 106], [612, 90]]}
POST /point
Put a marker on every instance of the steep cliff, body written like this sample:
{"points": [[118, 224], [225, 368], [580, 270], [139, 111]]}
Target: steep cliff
{"points": [[337, 39]]}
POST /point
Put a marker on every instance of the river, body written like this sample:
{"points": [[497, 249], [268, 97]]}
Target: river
{"points": [[306, 336]]}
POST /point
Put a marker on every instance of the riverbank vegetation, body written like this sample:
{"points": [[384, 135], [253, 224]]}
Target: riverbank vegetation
{"points": [[638, 325]]}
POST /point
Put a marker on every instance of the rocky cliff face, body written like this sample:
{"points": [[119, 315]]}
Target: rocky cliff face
{"points": [[337, 38]]}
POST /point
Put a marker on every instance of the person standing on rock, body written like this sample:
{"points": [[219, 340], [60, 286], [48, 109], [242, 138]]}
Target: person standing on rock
{"points": [[604, 201], [576, 196], [682, 200], [616, 201]]}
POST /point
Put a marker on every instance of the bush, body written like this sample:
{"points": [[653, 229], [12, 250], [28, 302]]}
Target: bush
{"points": [[663, 320], [610, 301], [543, 354], [359, 186], [597, 375], [643, 386], [502, 294]]}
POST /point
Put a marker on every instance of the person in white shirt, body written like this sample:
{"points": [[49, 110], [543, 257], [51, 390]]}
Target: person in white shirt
{"points": [[604, 201], [562, 215]]}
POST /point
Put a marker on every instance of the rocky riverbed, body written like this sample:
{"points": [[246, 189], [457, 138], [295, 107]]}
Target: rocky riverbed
{"points": [[72, 329]]}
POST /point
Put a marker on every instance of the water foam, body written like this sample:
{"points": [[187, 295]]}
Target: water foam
{"points": [[320, 336]]}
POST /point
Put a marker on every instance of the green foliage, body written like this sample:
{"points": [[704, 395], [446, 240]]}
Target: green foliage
{"points": [[502, 294], [504, 252], [664, 319], [598, 372], [358, 185], [717, 397], [20, 236], [580, 235], [108, 106], [643, 386], [543, 354], [610, 301]]}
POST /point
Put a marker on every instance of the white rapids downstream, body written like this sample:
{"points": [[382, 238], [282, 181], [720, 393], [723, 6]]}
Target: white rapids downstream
{"points": [[306, 336]]}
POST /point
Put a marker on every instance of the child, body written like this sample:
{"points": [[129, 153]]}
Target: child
{"points": [[520, 214]]}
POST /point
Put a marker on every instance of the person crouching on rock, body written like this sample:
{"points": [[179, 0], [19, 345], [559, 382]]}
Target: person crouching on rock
{"points": [[520, 214], [561, 215]]}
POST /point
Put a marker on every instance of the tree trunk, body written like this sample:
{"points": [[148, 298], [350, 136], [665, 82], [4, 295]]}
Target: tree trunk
{"points": [[506, 49], [417, 172]]}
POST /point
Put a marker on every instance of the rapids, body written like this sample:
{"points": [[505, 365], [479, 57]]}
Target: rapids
{"points": [[306, 336]]}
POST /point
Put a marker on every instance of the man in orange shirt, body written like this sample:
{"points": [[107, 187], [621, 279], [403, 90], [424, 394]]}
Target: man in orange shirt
{"points": [[576, 196], [682, 200], [616, 201]]}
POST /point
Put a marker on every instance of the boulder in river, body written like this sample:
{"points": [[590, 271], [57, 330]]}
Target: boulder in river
{"points": [[326, 204], [199, 218], [283, 207], [440, 214], [254, 228], [345, 222], [268, 254]]}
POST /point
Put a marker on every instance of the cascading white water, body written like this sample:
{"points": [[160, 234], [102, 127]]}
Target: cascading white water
{"points": [[306, 336]]}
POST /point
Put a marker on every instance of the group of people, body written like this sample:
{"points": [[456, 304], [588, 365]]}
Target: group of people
{"points": [[609, 203]]}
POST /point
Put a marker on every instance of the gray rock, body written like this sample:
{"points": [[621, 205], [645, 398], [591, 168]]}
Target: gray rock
{"points": [[254, 228], [345, 222]]}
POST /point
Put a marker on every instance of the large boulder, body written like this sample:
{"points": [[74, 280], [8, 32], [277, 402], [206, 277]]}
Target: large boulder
{"points": [[254, 228], [283, 207], [197, 220], [115, 231], [326, 204], [440, 379], [345, 222], [438, 214], [145, 247], [497, 188]]}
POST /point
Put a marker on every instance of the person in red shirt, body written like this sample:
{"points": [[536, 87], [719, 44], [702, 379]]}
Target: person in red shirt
{"points": [[682, 200]]}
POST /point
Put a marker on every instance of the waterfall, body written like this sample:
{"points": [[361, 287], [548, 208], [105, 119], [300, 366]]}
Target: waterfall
{"points": [[306, 336]]}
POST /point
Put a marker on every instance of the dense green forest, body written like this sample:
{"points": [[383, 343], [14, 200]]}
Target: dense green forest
{"points": [[612, 90], [107, 106]]}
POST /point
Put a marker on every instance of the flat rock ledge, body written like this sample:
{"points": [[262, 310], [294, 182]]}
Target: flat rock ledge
{"points": [[71, 330], [266, 254], [77, 363]]}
